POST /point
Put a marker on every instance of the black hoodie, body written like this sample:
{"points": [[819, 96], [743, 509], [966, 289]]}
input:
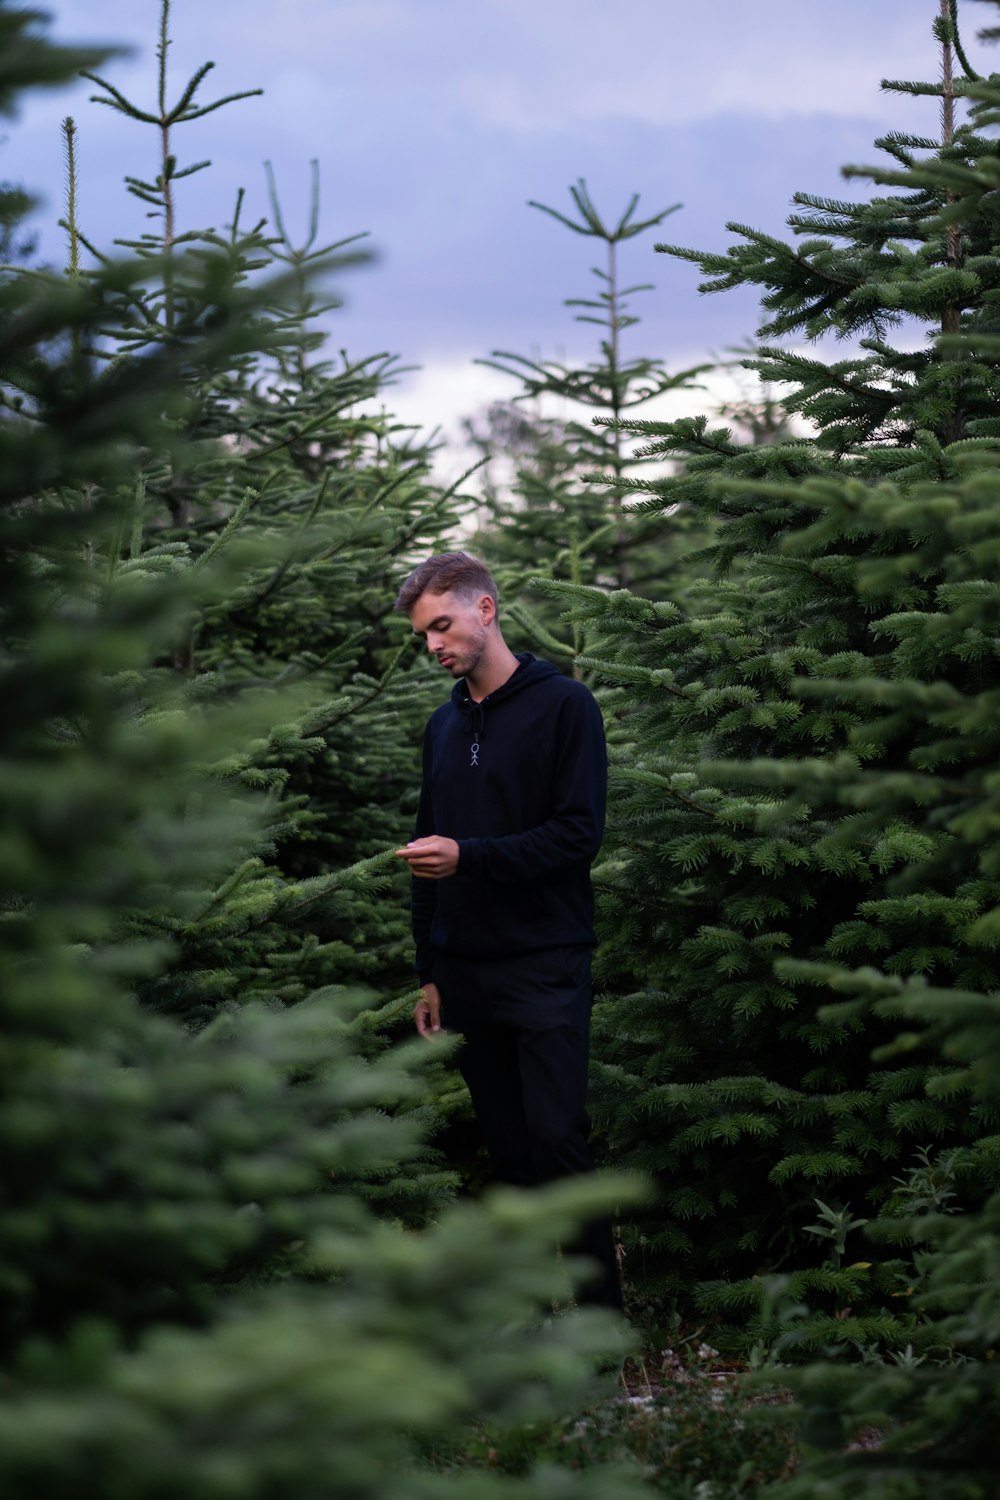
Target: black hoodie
{"points": [[520, 781]]}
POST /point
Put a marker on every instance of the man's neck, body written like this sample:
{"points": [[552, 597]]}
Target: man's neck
{"points": [[494, 669]]}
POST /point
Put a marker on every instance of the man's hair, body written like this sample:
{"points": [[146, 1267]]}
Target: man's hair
{"points": [[447, 573]]}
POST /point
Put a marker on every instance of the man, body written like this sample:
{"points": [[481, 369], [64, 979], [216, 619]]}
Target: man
{"points": [[511, 815]]}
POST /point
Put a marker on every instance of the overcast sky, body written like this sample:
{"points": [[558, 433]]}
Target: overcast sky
{"points": [[434, 121]]}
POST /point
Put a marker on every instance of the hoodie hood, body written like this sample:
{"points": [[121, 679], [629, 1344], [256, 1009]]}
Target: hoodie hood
{"points": [[528, 672]]}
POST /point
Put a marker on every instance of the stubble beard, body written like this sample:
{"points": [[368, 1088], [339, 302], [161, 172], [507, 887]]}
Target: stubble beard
{"points": [[466, 662]]}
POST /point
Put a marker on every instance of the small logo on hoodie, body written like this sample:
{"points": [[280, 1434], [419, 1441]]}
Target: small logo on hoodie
{"points": [[475, 753]]}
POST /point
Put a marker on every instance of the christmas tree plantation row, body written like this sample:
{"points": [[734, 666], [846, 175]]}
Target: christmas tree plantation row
{"points": [[231, 1256], [798, 1036], [215, 1165]]}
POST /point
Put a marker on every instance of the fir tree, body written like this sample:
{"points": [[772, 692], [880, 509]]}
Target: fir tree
{"points": [[195, 1295], [719, 1071], [583, 532], [318, 504], [938, 1404]]}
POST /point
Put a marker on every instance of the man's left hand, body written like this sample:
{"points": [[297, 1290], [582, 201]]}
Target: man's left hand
{"points": [[431, 858]]}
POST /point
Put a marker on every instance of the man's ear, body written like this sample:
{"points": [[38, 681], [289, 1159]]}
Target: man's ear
{"points": [[487, 609]]}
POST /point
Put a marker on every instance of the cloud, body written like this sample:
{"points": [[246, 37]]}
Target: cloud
{"points": [[435, 120], [447, 389], [525, 66], [729, 58], [438, 396]]}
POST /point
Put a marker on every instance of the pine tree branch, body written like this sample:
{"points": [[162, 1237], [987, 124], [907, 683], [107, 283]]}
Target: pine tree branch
{"points": [[178, 110], [651, 677], [406, 649], [118, 100], [207, 109], [640, 777], [956, 42]]}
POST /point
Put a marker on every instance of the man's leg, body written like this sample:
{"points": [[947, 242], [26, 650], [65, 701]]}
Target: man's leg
{"points": [[525, 1023], [547, 998], [488, 1061]]}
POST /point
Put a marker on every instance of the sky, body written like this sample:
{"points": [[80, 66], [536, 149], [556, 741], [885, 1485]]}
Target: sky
{"points": [[435, 121]]}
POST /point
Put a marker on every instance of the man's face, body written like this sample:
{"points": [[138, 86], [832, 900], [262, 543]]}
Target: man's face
{"points": [[456, 630]]}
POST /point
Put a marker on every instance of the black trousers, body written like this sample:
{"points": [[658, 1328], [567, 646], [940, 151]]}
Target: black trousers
{"points": [[525, 1022]]}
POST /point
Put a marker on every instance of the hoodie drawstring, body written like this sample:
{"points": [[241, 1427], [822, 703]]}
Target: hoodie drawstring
{"points": [[475, 724]]}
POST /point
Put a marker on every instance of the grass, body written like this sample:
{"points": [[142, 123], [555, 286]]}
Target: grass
{"points": [[693, 1430]]}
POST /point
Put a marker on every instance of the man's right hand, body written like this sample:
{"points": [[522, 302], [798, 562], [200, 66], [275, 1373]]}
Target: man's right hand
{"points": [[427, 1011]]}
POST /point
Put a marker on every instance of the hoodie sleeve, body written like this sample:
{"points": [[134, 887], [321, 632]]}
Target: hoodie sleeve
{"points": [[572, 834]]}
